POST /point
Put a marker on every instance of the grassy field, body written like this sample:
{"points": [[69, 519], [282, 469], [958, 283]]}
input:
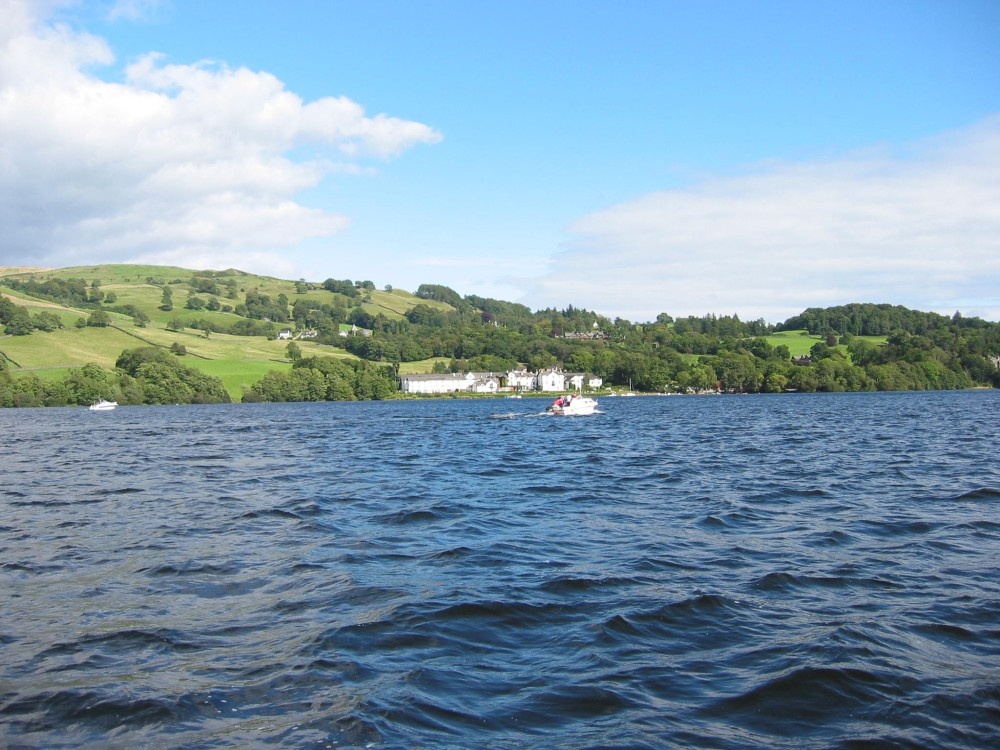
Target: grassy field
{"points": [[239, 361], [129, 284], [800, 342]]}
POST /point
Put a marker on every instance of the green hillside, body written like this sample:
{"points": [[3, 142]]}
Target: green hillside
{"points": [[238, 360], [279, 340]]}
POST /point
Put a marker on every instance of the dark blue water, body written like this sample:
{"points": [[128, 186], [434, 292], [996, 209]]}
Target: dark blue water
{"points": [[795, 571]]}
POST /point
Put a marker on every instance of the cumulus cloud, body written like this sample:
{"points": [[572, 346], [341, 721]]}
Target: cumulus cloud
{"points": [[173, 163], [919, 226]]}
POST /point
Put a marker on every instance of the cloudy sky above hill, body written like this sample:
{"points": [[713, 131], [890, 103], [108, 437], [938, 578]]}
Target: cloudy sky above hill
{"points": [[631, 158]]}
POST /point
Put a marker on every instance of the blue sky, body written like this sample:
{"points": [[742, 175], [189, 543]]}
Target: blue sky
{"points": [[632, 158]]}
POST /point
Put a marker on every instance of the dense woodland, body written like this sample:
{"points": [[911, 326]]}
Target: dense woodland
{"points": [[916, 351]]}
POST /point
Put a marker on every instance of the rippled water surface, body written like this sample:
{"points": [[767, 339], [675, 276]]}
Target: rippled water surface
{"points": [[800, 571]]}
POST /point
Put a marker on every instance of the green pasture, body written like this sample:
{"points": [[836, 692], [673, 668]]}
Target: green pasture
{"points": [[422, 367], [238, 360], [129, 284], [70, 347], [397, 303], [798, 342], [236, 375]]}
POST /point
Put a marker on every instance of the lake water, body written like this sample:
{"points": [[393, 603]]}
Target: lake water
{"points": [[793, 571]]}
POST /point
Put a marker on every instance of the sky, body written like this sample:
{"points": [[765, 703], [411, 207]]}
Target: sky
{"points": [[631, 157]]}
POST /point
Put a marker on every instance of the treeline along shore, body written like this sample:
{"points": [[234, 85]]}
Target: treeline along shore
{"points": [[167, 335]]}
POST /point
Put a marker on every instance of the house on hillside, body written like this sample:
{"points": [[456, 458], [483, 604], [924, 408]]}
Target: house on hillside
{"points": [[353, 330]]}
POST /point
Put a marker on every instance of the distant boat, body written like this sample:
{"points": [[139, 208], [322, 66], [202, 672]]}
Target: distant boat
{"points": [[103, 405]]}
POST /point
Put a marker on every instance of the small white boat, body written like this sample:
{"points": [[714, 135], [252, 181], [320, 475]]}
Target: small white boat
{"points": [[572, 405], [103, 405]]}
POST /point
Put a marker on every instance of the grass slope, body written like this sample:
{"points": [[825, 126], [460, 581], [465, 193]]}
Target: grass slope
{"points": [[239, 361], [799, 342]]}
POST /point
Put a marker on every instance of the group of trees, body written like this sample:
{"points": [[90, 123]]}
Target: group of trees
{"points": [[147, 375], [326, 379], [18, 321], [922, 350]]}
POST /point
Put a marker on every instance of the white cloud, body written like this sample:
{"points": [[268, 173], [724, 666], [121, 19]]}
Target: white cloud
{"points": [[920, 228], [177, 162]]}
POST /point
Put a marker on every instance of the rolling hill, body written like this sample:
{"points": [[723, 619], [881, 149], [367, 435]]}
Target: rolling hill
{"points": [[239, 360]]}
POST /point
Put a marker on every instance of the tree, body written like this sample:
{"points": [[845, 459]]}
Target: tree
{"points": [[89, 384], [738, 372], [167, 300], [343, 286], [7, 308], [48, 322], [162, 379], [293, 351], [19, 323], [175, 324], [99, 319]]}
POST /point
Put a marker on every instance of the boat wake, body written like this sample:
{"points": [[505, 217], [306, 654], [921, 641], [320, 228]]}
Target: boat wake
{"points": [[532, 415]]}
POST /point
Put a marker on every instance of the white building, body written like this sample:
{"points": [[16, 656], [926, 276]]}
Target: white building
{"points": [[467, 382], [520, 380], [550, 379]]}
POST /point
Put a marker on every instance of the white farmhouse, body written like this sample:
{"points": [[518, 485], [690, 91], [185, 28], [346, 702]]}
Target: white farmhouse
{"points": [[520, 380], [550, 379]]}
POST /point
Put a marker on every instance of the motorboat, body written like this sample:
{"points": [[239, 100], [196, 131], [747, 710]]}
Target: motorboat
{"points": [[572, 405], [103, 405]]}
